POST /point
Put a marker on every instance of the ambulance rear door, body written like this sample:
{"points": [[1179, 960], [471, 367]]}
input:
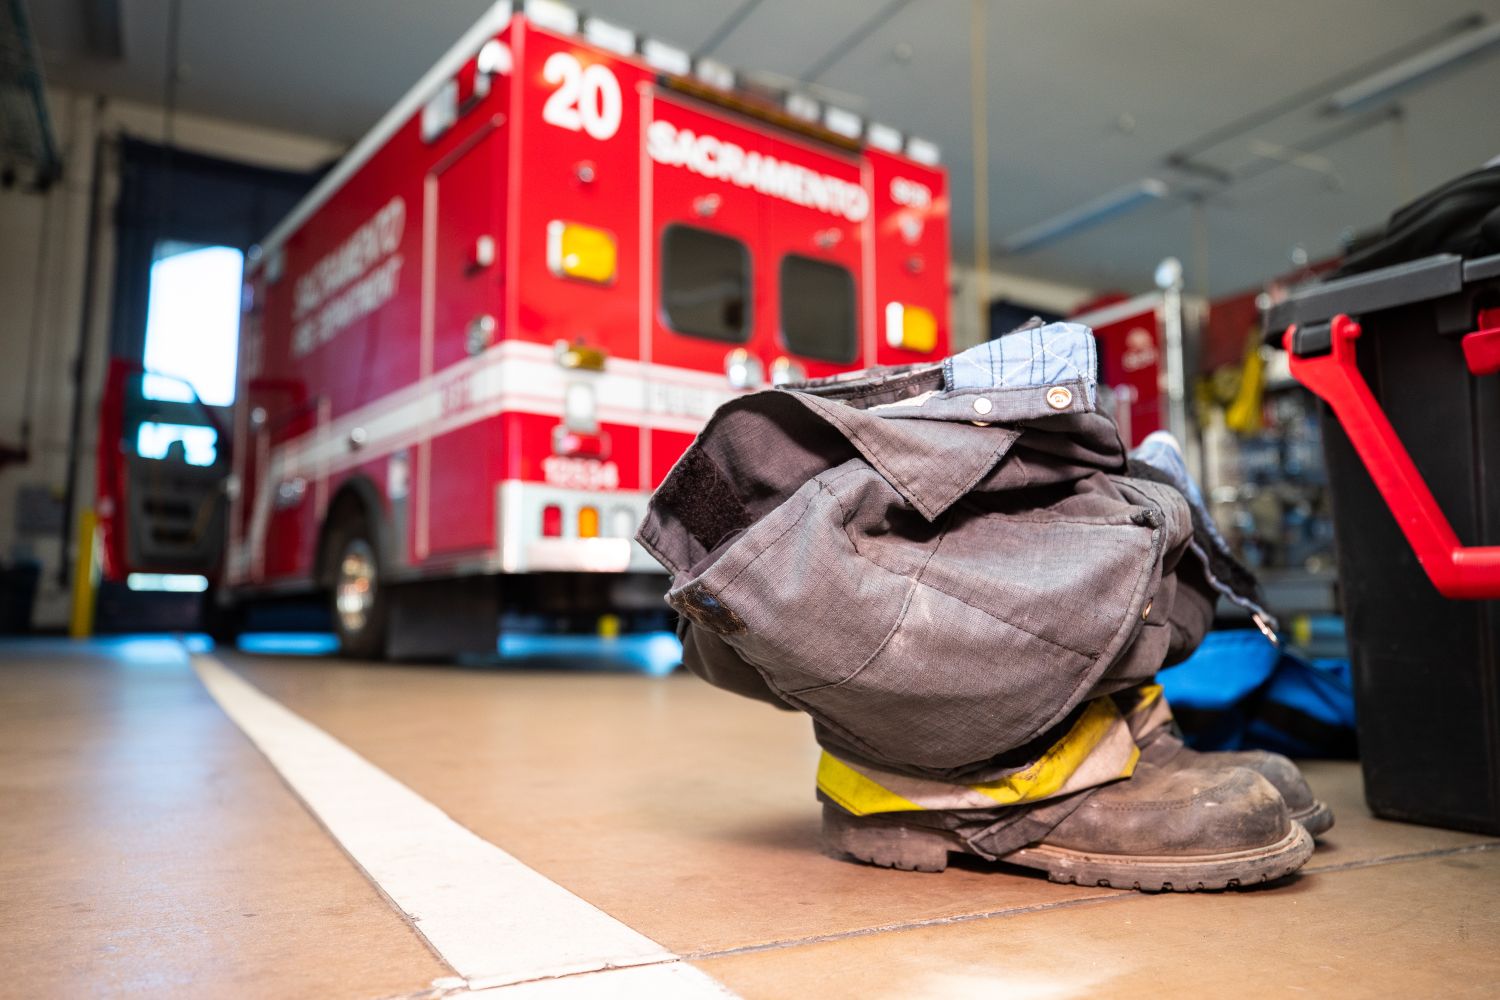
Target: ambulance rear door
{"points": [[725, 223], [813, 254]]}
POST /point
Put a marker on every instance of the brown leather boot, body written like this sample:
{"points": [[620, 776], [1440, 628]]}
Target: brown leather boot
{"points": [[1164, 748], [1179, 829]]}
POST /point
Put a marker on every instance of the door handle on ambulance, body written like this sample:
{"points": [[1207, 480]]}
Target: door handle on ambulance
{"points": [[1456, 570]]}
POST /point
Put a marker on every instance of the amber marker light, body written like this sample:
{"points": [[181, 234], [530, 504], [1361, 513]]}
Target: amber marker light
{"points": [[582, 252], [910, 328]]}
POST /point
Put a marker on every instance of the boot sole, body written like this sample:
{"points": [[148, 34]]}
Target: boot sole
{"points": [[1171, 874], [893, 845], [1316, 819]]}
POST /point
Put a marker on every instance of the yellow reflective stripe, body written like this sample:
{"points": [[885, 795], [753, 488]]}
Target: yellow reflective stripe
{"points": [[1052, 770], [1113, 759], [1067, 766], [1145, 695], [1145, 708], [854, 792]]}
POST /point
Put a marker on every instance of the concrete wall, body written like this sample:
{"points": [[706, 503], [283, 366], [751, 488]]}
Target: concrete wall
{"points": [[969, 322], [42, 262]]}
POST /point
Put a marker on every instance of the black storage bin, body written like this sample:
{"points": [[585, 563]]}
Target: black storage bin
{"points": [[1426, 666]]}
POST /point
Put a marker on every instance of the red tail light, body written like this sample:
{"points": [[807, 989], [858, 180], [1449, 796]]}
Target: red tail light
{"points": [[552, 521]]}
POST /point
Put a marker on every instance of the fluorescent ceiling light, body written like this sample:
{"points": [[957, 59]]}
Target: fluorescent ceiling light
{"points": [[1418, 68], [1088, 215]]}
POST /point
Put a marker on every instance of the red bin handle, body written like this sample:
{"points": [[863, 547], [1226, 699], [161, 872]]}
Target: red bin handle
{"points": [[1455, 570]]}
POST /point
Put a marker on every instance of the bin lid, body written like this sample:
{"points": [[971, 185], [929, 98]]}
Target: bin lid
{"points": [[1397, 285], [1481, 268]]}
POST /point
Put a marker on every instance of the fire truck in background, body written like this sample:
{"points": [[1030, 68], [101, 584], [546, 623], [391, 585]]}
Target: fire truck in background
{"points": [[1145, 357], [472, 351]]}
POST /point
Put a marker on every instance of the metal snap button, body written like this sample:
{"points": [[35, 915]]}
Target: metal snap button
{"points": [[982, 405], [1058, 397]]}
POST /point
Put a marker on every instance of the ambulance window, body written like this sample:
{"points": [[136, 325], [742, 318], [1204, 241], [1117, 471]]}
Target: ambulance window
{"points": [[705, 284], [817, 309]]}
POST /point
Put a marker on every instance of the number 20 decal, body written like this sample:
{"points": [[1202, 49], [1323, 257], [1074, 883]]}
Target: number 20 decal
{"points": [[586, 99]]}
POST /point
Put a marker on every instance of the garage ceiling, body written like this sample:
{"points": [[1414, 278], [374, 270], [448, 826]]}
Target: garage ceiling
{"points": [[1085, 96]]}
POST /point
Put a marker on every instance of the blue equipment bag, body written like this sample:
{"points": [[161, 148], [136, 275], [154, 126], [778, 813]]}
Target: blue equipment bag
{"points": [[1237, 691]]}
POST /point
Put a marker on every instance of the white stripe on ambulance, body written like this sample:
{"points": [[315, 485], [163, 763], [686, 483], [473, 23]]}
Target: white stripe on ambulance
{"points": [[514, 376]]}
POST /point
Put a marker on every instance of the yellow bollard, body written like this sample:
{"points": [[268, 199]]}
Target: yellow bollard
{"points": [[85, 577]]}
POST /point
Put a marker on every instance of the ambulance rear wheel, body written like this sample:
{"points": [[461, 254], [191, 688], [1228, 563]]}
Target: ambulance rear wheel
{"points": [[222, 620], [361, 606]]}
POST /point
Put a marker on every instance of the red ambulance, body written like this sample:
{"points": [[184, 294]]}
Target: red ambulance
{"points": [[472, 351]]}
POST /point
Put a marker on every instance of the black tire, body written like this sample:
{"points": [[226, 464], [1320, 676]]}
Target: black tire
{"points": [[222, 621], [361, 616]]}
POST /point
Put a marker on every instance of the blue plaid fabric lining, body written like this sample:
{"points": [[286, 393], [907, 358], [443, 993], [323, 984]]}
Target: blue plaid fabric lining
{"points": [[1028, 357]]}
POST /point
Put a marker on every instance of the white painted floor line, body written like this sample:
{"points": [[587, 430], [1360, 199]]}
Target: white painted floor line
{"points": [[494, 920]]}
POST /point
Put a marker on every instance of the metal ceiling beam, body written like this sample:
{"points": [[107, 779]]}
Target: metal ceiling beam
{"points": [[852, 41], [1185, 157], [727, 28]]}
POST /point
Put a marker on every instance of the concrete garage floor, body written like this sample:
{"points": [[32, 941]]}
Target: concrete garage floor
{"points": [[148, 847]]}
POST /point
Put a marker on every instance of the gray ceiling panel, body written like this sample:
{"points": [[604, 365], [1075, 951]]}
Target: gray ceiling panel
{"points": [[687, 25]]}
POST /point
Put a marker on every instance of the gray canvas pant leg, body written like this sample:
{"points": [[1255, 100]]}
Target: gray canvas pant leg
{"points": [[941, 596]]}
